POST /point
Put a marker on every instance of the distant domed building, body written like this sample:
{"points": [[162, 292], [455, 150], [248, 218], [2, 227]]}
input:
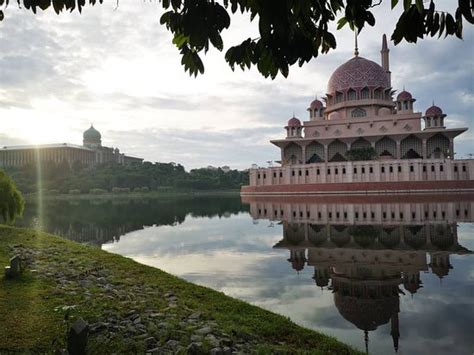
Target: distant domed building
{"points": [[92, 138], [359, 138], [90, 153]]}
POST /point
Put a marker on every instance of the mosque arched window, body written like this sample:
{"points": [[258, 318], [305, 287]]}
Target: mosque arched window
{"points": [[339, 97], [351, 95], [358, 112], [410, 148], [405, 105], [314, 153], [364, 93], [360, 143], [378, 94], [293, 153], [386, 147], [337, 151], [437, 146]]}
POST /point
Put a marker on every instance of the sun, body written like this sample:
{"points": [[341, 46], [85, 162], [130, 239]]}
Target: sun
{"points": [[50, 122]]}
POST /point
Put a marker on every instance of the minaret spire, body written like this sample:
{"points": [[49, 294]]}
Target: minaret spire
{"points": [[395, 331], [356, 48], [385, 57], [366, 339]]}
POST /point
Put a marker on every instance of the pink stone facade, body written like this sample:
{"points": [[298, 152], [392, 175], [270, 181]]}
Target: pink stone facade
{"points": [[359, 116], [404, 211], [396, 170]]}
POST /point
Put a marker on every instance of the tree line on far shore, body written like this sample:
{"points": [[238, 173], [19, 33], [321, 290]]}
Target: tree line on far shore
{"points": [[61, 178]]}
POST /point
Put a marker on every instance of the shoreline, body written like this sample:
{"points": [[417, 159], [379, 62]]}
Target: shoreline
{"points": [[131, 307], [132, 195]]}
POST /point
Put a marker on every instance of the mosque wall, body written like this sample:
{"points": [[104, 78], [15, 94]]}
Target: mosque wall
{"points": [[365, 214], [393, 170]]}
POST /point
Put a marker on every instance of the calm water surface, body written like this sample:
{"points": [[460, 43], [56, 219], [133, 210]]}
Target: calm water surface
{"points": [[378, 273]]}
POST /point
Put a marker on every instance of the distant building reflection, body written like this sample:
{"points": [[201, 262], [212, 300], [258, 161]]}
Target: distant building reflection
{"points": [[369, 253], [98, 222]]}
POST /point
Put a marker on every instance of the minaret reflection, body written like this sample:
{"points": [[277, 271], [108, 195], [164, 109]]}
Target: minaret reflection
{"points": [[368, 253]]}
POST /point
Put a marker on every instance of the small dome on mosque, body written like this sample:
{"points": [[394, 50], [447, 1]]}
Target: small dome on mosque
{"points": [[412, 287], [294, 122], [433, 111], [404, 96], [316, 105], [358, 72], [92, 134]]}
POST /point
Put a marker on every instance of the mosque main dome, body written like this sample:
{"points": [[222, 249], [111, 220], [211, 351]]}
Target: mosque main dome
{"points": [[366, 314], [92, 138], [92, 134], [358, 72]]}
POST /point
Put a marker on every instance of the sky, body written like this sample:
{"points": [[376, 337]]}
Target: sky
{"points": [[117, 69]]}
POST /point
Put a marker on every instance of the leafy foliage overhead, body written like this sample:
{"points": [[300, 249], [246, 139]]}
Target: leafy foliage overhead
{"points": [[291, 31]]}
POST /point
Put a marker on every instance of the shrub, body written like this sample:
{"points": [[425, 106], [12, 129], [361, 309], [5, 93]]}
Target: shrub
{"points": [[12, 203], [120, 190], [97, 191], [367, 153], [141, 189]]}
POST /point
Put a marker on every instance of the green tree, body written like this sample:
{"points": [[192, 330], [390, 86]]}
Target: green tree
{"points": [[11, 200], [291, 31]]}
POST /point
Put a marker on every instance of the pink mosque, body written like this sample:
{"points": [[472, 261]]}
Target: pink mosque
{"points": [[358, 139]]}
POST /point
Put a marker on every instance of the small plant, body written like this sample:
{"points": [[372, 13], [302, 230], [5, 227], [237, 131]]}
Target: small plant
{"points": [[67, 311]]}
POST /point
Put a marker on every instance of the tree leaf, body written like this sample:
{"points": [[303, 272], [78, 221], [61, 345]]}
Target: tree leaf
{"points": [[420, 6], [341, 23]]}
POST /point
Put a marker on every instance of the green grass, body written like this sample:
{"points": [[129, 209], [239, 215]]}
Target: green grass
{"points": [[28, 321]]}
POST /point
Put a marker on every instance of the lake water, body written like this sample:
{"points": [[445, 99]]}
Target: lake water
{"points": [[383, 273]]}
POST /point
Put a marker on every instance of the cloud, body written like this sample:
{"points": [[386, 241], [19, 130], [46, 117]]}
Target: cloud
{"points": [[120, 71], [197, 148], [5, 140]]}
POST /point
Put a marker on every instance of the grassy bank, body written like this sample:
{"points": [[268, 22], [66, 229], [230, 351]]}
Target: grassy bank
{"points": [[131, 307], [132, 195]]}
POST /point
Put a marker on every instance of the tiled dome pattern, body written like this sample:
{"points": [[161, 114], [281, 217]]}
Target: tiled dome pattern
{"points": [[316, 105], [358, 72], [434, 111], [404, 95], [294, 122]]}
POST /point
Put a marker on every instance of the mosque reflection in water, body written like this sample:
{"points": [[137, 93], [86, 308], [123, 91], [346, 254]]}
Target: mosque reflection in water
{"points": [[368, 254]]}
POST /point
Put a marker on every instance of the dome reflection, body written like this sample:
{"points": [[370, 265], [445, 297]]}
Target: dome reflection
{"points": [[368, 254]]}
